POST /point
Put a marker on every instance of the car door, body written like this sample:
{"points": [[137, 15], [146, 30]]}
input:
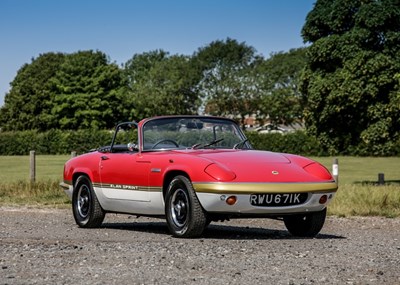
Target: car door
{"points": [[124, 176], [124, 173]]}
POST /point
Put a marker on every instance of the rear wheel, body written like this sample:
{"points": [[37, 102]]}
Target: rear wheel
{"points": [[185, 216], [85, 206], [305, 225]]}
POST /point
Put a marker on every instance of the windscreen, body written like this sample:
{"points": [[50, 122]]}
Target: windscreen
{"points": [[198, 132]]}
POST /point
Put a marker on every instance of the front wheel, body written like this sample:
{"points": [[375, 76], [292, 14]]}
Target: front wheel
{"points": [[305, 225], [185, 216], [85, 206]]}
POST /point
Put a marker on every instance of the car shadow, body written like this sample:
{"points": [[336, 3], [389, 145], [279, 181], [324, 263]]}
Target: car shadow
{"points": [[249, 233], [217, 231], [145, 227]]}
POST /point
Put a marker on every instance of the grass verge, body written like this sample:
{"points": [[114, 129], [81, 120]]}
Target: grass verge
{"points": [[42, 193], [16, 168], [366, 200]]}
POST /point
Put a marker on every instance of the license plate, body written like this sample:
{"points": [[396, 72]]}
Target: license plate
{"points": [[278, 200]]}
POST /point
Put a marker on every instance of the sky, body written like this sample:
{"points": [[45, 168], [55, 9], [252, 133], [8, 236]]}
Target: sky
{"points": [[122, 28]]}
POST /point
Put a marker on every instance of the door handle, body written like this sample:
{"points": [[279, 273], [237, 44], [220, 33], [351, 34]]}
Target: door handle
{"points": [[104, 157]]}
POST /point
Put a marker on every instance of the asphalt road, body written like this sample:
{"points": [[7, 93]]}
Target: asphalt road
{"points": [[46, 247]]}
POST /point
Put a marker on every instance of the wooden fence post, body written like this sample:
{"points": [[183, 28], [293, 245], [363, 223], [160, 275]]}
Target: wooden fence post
{"points": [[32, 156], [335, 170], [381, 179]]}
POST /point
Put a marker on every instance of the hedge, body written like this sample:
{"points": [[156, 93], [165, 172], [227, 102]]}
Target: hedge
{"points": [[52, 142], [81, 141], [297, 142]]}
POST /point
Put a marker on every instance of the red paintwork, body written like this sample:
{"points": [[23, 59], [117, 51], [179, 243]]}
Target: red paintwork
{"points": [[150, 168]]}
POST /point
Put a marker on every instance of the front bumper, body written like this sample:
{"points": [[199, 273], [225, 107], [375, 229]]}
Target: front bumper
{"points": [[67, 189], [212, 197]]}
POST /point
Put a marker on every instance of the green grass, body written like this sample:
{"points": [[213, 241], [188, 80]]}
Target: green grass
{"points": [[357, 194], [16, 168], [351, 169], [354, 170], [15, 186]]}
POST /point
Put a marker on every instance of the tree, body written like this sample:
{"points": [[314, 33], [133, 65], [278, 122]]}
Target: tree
{"points": [[350, 85], [28, 104], [87, 92], [160, 84], [280, 74], [228, 81], [64, 91]]}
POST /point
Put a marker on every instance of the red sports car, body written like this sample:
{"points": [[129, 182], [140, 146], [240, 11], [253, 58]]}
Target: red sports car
{"points": [[193, 170]]}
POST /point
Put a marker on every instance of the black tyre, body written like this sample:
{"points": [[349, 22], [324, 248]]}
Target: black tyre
{"points": [[305, 225], [185, 216], [85, 206]]}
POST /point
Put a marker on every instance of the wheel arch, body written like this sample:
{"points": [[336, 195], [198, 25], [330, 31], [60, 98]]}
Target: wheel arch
{"points": [[77, 174], [168, 178]]}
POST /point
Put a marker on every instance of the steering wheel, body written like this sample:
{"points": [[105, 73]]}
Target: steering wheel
{"points": [[165, 140]]}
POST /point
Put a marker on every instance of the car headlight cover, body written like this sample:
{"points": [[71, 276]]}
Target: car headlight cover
{"points": [[219, 172], [318, 170]]}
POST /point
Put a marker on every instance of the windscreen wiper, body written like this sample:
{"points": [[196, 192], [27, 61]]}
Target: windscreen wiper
{"points": [[207, 145]]}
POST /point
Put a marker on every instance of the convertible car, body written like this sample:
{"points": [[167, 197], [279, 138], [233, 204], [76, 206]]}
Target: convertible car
{"points": [[192, 170]]}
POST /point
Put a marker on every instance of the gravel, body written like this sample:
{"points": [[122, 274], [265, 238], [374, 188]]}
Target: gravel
{"points": [[44, 246]]}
